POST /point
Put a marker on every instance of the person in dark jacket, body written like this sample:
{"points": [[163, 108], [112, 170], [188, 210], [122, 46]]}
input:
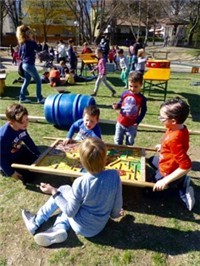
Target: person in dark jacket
{"points": [[27, 51]]}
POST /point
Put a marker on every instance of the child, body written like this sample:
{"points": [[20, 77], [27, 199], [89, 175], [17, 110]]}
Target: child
{"points": [[54, 77], [173, 163], [63, 68], [13, 136], [69, 77], [124, 65], [87, 126], [86, 206], [72, 56], [101, 68], [133, 108], [141, 61]]}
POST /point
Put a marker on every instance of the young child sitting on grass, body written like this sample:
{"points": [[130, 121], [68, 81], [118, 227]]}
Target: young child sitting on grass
{"points": [[86, 206], [16, 144], [133, 108], [85, 127], [173, 163]]}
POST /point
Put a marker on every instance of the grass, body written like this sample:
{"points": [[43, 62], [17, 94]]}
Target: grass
{"points": [[155, 231]]}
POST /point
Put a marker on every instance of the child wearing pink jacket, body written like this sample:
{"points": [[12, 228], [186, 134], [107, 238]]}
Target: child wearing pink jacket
{"points": [[101, 68]]}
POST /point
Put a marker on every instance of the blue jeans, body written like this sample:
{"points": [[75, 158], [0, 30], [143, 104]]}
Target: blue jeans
{"points": [[30, 71], [129, 132], [50, 207]]}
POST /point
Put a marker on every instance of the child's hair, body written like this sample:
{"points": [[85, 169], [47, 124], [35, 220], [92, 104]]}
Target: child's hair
{"points": [[71, 41], [92, 153], [62, 62], [176, 109], [85, 43], [92, 110], [99, 50], [15, 112], [135, 77], [140, 52], [23, 33], [120, 51]]}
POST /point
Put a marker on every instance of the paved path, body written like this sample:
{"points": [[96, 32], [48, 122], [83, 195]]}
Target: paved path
{"points": [[7, 65]]}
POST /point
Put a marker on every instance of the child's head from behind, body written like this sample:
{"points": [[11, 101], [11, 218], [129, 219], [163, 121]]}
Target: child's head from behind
{"points": [[99, 53], [140, 52], [135, 81], [17, 115], [175, 110], [120, 52], [62, 63], [93, 155], [91, 116]]}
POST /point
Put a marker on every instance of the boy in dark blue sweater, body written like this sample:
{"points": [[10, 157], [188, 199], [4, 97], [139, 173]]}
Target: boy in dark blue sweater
{"points": [[16, 144]]}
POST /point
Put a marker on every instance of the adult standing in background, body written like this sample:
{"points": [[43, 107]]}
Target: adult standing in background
{"points": [[105, 47], [62, 51], [72, 55], [27, 51], [138, 45]]}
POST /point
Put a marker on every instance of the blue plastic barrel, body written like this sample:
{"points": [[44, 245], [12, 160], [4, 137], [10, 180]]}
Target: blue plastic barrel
{"points": [[64, 109]]}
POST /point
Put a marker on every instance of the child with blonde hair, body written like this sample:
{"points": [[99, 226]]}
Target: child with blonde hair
{"points": [[27, 51], [141, 61], [86, 206]]}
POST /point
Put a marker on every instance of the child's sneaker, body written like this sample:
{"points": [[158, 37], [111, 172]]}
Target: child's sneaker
{"points": [[189, 198], [42, 101], [51, 236], [25, 101], [29, 219]]}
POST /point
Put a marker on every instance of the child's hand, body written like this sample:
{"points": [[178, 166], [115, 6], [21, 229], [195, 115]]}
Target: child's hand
{"points": [[67, 141], [47, 188], [158, 147], [160, 185], [114, 106], [121, 212]]}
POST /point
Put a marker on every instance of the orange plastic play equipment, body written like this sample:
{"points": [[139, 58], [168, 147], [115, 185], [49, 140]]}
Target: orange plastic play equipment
{"points": [[156, 63]]}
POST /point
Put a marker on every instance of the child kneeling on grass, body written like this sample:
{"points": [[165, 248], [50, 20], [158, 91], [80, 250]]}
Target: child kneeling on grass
{"points": [[173, 163], [16, 144], [86, 206]]}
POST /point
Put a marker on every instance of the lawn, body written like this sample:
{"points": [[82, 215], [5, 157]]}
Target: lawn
{"points": [[156, 230]]}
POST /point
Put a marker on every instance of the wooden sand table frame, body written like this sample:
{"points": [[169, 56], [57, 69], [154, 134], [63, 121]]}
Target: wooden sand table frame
{"points": [[61, 160]]}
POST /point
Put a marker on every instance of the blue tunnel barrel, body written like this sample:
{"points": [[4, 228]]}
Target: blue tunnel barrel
{"points": [[64, 109]]}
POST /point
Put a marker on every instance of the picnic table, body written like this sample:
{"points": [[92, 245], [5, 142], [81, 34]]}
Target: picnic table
{"points": [[156, 78], [88, 59]]}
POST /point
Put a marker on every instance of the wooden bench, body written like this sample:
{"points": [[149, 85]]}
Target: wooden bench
{"points": [[2, 82], [158, 78]]}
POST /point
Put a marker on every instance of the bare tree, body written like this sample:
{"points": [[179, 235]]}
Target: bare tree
{"points": [[3, 13], [92, 15], [43, 14]]}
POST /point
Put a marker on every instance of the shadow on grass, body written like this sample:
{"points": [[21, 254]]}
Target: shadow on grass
{"points": [[194, 102], [129, 235], [116, 81]]}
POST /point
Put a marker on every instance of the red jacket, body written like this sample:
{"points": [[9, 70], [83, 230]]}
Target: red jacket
{"points": [[173, 154]]}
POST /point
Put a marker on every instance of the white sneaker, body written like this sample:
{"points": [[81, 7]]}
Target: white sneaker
{"points": [[51, 236], [29, 219], [190, 200]]}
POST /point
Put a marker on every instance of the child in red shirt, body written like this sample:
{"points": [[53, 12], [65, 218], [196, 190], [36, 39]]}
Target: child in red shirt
{"points": [[54, 77], [133, 108], [173, 163]]}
